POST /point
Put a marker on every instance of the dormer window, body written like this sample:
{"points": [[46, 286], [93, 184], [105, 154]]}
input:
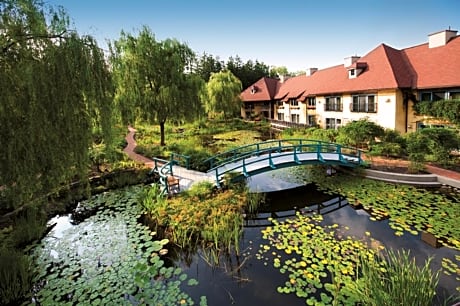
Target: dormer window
{"points": [[355, 69], [253, 90]]}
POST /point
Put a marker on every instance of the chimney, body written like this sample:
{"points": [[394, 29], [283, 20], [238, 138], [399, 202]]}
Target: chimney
{"points": [[348, 61], [283, 78], [441, 38], [310, 71]]}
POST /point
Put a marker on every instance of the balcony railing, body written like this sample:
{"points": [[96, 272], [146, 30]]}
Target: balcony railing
{"points": [[280, 124]]}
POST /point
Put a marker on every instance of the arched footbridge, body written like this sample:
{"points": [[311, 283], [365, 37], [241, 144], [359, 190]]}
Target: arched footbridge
{"points": [[248, 160], [265, 156]]}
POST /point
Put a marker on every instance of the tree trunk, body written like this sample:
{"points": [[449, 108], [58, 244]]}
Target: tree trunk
{"points": [[162, 133]]}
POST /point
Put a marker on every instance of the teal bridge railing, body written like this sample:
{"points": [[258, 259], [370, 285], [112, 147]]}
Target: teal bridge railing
{"points": [[264, 156], [164, 168]]}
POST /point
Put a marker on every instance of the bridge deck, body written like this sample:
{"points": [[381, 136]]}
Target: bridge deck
{"points": [[263, 162]]}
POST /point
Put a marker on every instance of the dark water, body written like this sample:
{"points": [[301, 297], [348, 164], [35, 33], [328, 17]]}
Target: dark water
{"points": [[256, 284], [246, 280]]}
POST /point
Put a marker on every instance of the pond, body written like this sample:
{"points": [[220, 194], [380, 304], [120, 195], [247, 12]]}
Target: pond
{"points": [[108, 257]]}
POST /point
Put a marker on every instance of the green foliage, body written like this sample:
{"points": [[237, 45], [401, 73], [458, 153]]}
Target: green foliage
{"points": [[206, 65], [321, 268], [396, 280], [53, 95], [132, 272], [442, 109], [441, 142], [417, 149], [360, 133], [248, 73], [151, 80], [16, 276], [29, 226], [391, 144], [223, 94], [313, 133], [409, 209], [203, 216]]}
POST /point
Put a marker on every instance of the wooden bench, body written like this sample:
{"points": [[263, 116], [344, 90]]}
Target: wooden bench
{"points": [[173, 182]]}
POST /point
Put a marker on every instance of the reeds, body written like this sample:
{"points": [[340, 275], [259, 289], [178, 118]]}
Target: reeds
{"points": [[397, 280]]}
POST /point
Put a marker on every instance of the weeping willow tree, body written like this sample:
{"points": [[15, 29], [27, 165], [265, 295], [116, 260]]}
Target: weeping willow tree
{"points": [[153, 80], [223, 94], [55, 90]]}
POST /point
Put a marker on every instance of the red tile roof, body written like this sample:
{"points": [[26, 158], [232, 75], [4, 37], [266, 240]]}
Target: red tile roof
{"points": [[264, 90], [382, 68], [435, 67]]}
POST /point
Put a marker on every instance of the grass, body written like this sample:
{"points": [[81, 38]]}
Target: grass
{"points": [[398, 280], [199, 140]]}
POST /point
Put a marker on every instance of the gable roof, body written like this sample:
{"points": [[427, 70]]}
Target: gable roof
{"points": [[262, 90], [384, 67]]}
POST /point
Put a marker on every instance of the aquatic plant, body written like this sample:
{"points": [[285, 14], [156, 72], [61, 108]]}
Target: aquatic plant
{"points": [[396, 280], [203, 216], [16, 276], [327, 267], [109, 259], [320, 267]]}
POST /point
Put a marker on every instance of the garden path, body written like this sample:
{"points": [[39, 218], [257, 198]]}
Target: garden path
{"points": [[186, 177]]}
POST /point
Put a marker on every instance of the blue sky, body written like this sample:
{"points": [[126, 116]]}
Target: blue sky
{"points": [[296, 34]]}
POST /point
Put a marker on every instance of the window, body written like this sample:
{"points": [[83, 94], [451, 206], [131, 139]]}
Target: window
{"points": [[333, 104], [280, 116], [311, 103], [333, 123], [364, 104], [434, 95], [455, 95], [293, 102], [279, 104], [311, 120], [295, 118]]}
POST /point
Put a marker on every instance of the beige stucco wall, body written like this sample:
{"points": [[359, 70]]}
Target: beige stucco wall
{"points": [[387, 101]]}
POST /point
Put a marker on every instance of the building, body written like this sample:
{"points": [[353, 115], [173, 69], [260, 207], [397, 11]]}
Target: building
{"points": [[382, 85]]}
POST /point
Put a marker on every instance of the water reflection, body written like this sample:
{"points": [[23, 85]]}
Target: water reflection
{"points": [[256, 283]]}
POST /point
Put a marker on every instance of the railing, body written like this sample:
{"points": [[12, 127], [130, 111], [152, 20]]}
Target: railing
{"points": [[181, 160], [288, 147], [288, 124], [164, 168]]}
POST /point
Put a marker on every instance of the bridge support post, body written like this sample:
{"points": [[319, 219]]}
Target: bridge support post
{"points": [[245, 173], [217, 178], [296, 158], [270, 160]]}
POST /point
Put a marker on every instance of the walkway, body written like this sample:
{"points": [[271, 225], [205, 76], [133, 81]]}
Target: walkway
{"points": [[404, 163], [186, 177]]}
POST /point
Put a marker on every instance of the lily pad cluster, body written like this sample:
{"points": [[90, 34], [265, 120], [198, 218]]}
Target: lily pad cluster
{"points": [[407, 208], [319, 266], [110, 259]]}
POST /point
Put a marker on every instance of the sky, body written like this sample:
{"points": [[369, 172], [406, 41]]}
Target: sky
{"points": [[297, 34]]}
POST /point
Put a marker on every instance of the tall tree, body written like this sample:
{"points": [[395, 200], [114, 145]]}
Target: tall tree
{"points": [[55, 88], [223, 94], [248, 73], [206, 65], [153, 79]]}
